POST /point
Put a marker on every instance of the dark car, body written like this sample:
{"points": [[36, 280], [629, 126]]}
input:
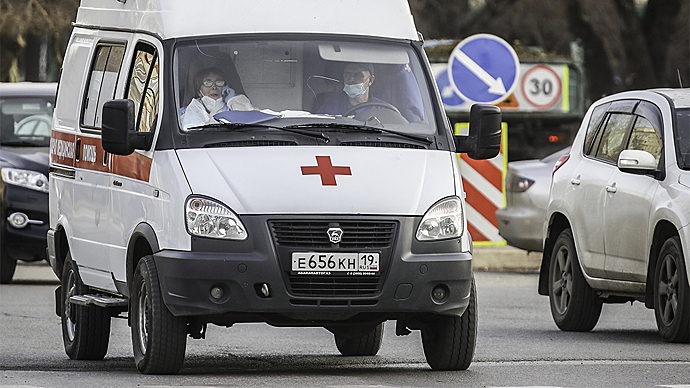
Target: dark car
{"points": [[26, 112]]}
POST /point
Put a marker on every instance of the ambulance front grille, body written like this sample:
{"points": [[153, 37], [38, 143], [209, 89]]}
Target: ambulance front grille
{"points": [[335, 286], [385, 144], [313, 234]]}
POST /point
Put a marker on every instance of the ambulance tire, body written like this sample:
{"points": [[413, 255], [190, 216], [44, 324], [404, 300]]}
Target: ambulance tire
{"points": [[366, 345], [449, 341], [7, 266], [159, 338], [85, 329]]}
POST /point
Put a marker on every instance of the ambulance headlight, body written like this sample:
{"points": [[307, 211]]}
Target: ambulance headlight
{"points": [[208, 218], [443, 221], [26, 178]]}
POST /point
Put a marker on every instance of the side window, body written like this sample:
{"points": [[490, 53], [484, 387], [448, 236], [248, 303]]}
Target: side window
{"points": [[594, 124], [681, 135], [613, 137], [645, 137], [143, 86], [102, 82]]}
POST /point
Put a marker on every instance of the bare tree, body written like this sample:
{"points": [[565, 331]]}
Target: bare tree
{"points": [[440, 18], [24, 23], [625, 47], [666, 26]]}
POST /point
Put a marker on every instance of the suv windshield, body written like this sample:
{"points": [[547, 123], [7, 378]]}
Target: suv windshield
{"points": [[334, 85], [25, 121]]}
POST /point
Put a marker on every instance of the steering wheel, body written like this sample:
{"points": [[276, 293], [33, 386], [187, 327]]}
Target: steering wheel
{"points": [[370, 104]]}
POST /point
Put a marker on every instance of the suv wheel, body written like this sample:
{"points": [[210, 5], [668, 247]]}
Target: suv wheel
{"points": [[671, 294], [574, 306]]}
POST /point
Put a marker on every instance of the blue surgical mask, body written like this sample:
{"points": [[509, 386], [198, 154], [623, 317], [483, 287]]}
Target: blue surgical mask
{"points": [[355, 91]]}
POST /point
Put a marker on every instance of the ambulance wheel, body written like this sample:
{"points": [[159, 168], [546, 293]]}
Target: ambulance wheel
{"points": [[85, 329], [366, 345], [159, 338], [449, 341], [574, 305], [7, 266]]}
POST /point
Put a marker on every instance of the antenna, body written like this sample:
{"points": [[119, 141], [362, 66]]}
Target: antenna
{"points": [[680, 81]]}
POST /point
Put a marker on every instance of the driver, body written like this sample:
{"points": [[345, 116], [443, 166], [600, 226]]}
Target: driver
{"points": [[358, 78]]}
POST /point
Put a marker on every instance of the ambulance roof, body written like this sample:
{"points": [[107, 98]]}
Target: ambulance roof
{"points": [[181, 18]]}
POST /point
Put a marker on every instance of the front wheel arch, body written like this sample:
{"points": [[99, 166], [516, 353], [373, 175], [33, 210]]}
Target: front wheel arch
{"points": [[143, 242], [662, 232], [557, 224]]}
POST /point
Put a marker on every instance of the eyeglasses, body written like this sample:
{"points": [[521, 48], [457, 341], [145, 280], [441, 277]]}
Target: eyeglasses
{"points": [[209, 83]]}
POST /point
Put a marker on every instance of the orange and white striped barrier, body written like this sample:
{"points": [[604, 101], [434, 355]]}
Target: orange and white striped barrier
{"points": [[484, 184]]}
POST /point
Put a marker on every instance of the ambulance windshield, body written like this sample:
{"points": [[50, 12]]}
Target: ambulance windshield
{"points": [[288, 83]]}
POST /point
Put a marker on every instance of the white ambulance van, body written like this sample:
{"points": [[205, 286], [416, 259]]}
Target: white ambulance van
{"points": [[222, 162]]}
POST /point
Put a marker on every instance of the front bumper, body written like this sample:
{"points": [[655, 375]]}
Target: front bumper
{"points": [[244, 270], [27, 243]]}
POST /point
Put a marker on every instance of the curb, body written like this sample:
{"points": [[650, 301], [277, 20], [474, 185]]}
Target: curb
{"points": [[505, 258]]}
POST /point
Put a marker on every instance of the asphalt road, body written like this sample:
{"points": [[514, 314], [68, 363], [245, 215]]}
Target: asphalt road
{"points": [[518, 346]]}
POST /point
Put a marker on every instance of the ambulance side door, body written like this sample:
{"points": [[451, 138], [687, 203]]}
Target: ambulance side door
{"points": [[91, 220]]}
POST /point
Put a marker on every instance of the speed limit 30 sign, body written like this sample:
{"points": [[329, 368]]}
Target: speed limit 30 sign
{"points": [[541, 87]]}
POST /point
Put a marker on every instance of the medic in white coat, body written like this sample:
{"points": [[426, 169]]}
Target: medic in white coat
{"points": [[214, 97]]}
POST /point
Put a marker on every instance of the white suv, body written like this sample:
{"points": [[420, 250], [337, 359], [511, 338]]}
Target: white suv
{"points": [[618, 214]]}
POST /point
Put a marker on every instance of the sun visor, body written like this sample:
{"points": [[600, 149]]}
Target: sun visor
{"points": [[370, 53]]}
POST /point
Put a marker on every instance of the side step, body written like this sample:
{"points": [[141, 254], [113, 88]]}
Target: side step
{"points": [[98, 300]]}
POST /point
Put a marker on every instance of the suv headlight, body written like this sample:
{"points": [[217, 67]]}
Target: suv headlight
{"points": [[208, 218], [25, 178], [442, 221]]}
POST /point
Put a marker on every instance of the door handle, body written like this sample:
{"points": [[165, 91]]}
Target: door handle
{"points": [[575, 181], [117, 183], [77, 152], [611, 189]]}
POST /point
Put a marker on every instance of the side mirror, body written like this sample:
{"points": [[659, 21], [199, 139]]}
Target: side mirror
{"points": [[118, 133], [484, 140], [636, 161]]}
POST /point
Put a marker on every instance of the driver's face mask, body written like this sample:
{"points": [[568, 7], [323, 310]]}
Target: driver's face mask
{"points": [[355, 91], [211, 105]]}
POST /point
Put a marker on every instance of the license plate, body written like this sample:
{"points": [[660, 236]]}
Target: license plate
{"points": [[320, 263]]}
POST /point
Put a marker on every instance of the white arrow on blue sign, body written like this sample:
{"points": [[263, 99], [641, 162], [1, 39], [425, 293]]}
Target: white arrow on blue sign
{"points": [[483, 68], [448, 95]]}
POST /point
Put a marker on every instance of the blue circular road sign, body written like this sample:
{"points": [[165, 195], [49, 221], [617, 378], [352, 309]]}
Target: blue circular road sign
{"points": [[448, 95], [483, 68]]}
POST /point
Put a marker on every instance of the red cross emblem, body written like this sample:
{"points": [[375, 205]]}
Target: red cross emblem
{"points": [[326, 170]]}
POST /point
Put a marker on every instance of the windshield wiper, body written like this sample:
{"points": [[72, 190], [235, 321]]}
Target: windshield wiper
{"points": [[362, 128], [242, 126]]}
